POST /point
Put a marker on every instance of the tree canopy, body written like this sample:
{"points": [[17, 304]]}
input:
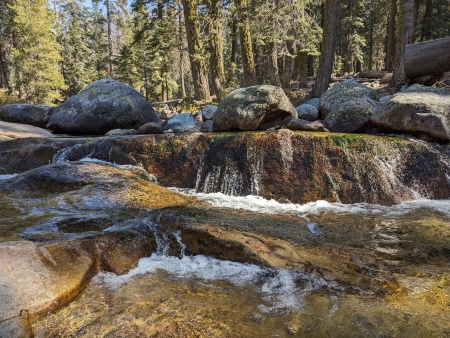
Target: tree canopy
{"points": [[171, 49]]}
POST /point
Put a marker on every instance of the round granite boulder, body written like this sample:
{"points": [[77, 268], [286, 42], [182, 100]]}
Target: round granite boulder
{"points": [[102, 106], [252, 108], [352, 116], [420, 113], [343, 92]]}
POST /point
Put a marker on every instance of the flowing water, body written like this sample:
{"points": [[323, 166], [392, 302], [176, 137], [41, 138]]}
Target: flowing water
{"points": [[199, 296], [179, 295]]}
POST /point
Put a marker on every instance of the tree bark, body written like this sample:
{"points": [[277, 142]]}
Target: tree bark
{"points": [[273, 64], [427, 58], [288, 69], [248, 62], [301, 69], [108, 20], [390, 44], [216, 46], [181, 50], [196, 55], [231, 79], [327, 50], [426, 31], [4, 74], [404, 36]]}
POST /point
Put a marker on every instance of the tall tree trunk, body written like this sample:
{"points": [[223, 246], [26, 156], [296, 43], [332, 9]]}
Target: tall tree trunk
{"points": [[370, 61], [327, 50], [4, 74], [273, 64], [288, 69], [301, 69], [426, 31], [216, 46], [248, 62], [404, 36], [181, 50], [231, 80], [198, 64], [390, 44], [108, 20]]}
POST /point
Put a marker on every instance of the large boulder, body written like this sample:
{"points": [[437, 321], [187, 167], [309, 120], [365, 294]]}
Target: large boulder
{"points": [[351, 117], [252, 108], [421, 113], [9, 131], [33, 114], [102, 106], [342, 92], [180, 123]]}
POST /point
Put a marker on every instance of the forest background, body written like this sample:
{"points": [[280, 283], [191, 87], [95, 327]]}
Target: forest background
{"points": [[170, 49]]}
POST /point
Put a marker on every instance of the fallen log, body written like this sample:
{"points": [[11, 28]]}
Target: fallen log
{"points": [[427, 58]]}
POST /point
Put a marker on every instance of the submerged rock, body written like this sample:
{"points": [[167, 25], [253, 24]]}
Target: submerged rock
{"points": [[10, 131], [102, 106], [252, 108], [32, 114], [343, 92], [421, 112]]}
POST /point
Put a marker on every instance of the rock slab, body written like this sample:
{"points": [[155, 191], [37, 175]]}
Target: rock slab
{"points": [[32, 114]]}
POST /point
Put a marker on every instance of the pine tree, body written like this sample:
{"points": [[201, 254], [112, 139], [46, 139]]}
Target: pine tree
{"points": [[216, 46], [196, 52], [248, 62], [78, 65], [36, 72], [327, 51]]}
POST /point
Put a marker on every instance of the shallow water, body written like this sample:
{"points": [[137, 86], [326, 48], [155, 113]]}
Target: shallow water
{"points": [[183, 296], [203, 297]]}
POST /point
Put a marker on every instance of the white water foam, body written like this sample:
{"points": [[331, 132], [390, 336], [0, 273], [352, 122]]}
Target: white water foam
{"points": [[282, 289], [262, 205], [7, 176]]}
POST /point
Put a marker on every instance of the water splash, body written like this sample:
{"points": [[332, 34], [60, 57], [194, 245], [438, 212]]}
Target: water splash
{"points": [[265, 206]]}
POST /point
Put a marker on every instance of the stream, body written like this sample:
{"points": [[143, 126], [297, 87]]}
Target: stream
{"points": [[175, 294]]}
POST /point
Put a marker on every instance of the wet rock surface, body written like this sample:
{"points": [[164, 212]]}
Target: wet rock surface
{"points": [[57, 261], [347, 168]]}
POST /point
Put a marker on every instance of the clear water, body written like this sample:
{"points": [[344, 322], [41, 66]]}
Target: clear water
{"points": [[199, 296]]}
